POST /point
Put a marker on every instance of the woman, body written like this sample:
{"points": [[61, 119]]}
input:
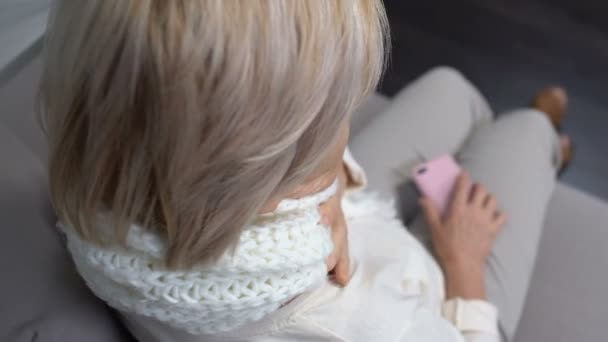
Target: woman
{"points": [[198, 166]]}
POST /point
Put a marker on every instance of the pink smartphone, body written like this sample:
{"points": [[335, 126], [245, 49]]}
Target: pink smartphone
{"points": [[436, 180]]}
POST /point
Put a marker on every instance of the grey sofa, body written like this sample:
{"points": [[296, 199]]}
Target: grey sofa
{"points": [[43, 299]]}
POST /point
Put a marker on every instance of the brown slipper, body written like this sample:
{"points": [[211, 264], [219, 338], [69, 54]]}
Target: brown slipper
{"points": [[552, 101], [567, 148]]}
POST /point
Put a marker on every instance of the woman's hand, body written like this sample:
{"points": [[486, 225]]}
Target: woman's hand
{"points": [[463, 238], [332, 216]]}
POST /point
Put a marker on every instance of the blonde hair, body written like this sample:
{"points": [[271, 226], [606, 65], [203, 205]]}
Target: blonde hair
{"points": [[185, 116]]}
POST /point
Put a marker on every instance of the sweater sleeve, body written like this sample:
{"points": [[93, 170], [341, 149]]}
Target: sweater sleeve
{"points": [[477, 320]]}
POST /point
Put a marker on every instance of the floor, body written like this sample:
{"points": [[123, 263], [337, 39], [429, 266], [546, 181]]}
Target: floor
{"points": [[510, 49]]}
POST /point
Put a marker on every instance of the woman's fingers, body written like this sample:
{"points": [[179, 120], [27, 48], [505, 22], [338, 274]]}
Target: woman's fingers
{"points": [[332, 259], [431, 213], [479, 195], [500, 219], [338, 240], [341, 272], [462, 191], [490, 203], [338, 262], [341, 269]]}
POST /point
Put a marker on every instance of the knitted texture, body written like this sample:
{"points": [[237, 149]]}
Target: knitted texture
{"points": [[282, 254]]}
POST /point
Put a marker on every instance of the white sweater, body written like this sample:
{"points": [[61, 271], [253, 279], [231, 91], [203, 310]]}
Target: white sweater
{"points": [[396, 291]]}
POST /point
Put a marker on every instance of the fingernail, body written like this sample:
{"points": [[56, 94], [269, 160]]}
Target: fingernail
{"points": [[334, 280], [331, 262], [325, 220]]}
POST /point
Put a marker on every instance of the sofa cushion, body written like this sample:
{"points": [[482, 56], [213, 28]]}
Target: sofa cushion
{"points": [[17, 108], [567, 297], [42, 297]]}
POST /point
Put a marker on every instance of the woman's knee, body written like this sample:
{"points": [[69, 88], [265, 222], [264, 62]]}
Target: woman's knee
{"points": [[447, 82], [448, 74], [448, 78], [531, 125]]}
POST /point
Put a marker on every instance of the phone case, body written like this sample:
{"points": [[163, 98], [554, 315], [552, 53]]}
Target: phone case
{"points": [[436, 180]]}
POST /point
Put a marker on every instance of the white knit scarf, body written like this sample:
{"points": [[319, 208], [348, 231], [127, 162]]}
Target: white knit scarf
{"points": [[281, 255]]}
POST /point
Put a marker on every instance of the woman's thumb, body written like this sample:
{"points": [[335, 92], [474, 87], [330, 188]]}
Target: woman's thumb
{"points": [[431, 213]]}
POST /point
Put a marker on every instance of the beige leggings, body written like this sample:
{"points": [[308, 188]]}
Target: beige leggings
{"points": [[514, 155]]}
